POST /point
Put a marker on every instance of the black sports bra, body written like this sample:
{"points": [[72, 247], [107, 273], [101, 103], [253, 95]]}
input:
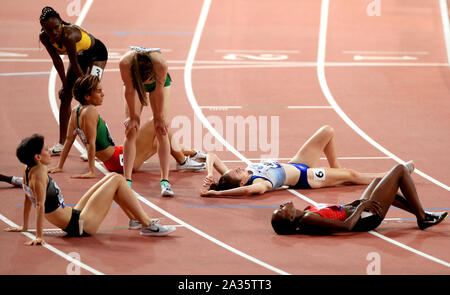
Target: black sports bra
{"points": [[53, 195]]}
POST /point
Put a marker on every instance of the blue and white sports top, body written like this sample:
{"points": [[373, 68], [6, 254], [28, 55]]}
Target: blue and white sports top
{"points": [[271, 171]]}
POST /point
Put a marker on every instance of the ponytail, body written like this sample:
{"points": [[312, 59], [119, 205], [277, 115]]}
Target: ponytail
{"points": [[141, 70]]}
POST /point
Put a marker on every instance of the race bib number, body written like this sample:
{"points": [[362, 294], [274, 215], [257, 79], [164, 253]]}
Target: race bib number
{"points": [[121, 159], [97, 71], [319, 174]]}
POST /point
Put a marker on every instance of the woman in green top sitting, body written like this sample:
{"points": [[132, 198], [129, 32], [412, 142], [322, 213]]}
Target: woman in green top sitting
{"points": [[93, 132]]}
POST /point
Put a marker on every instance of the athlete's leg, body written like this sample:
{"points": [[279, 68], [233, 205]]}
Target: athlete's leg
{"points": [[129, 145], [386, 190], [399, 200], [145, 144], [328, 177], [113, 188], [322, 142], [163, 139]]}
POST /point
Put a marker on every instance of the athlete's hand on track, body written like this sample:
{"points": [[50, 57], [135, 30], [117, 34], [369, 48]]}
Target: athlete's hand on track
{"points": [[86, 175], [15, 229], [54, 170], [37, 241]]}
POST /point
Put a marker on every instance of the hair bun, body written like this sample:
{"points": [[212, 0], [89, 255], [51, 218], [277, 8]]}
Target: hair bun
{"points": [[47, 8]]}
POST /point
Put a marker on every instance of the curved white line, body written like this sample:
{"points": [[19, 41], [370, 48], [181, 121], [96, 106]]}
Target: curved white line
{"points": [[445, 26], [55, 110], [31, 236], [199, 114], [329, 96], [327, 93], [188, 81]]}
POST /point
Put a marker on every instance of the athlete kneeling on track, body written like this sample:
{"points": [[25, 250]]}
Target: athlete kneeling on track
{"points": [[94, 133]]}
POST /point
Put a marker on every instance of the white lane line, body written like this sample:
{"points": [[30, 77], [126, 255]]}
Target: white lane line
{"points": [[404, 57], [198, 111], [384, 52], [427, 256], [53, 249], [199, 114], [445, 26], [256, 51], [29, 235], [327, 93], [287, 159], [100, 167], [197, 231], [225, 108]]}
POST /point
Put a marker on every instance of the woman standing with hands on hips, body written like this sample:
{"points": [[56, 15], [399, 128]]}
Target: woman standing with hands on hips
{"points": [[86, 55], [144, 70]]}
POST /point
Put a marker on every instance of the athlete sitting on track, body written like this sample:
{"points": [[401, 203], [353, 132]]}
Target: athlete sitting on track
{"points": [[299, 173], [364, 214], [85, 218], [93, 132], [86, 55]]}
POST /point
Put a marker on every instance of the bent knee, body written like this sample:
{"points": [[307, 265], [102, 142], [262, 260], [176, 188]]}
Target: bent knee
{"points": [[400, 168], [327, 129]]}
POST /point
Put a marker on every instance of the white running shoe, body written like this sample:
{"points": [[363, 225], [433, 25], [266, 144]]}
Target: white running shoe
{"points": [[56, 149], [134, 224], [166, 190], [17, 181], [155, 229], [199, 156], [191, 165]]}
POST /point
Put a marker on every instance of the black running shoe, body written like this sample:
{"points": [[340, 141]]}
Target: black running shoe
{"points": [[432, 218]]}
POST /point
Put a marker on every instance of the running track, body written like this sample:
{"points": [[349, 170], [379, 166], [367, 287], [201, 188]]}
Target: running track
{"points": [[380, 81]]}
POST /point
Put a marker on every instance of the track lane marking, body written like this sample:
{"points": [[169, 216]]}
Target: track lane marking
{"points": [[327, 93]]}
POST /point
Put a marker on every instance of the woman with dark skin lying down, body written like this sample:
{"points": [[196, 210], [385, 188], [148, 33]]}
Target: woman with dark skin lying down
{"points": [[364, 214]]}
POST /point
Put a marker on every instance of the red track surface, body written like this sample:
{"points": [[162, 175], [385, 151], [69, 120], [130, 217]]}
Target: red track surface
{"points": [[403, 107]]}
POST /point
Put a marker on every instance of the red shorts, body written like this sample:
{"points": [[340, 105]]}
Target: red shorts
{"points": [[115, 163]]}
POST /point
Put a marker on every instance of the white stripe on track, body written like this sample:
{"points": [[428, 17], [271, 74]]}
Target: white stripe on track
{"points": [[58, 252], [100, 166], [53, 249], [326, 91], [445, 26]]}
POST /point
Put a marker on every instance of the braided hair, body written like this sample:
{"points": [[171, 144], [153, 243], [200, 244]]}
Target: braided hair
{"points": [[48, 12]]}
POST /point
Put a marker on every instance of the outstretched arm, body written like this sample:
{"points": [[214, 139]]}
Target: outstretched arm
{"points": [[257, 188], [89, 126], [70, 138]]}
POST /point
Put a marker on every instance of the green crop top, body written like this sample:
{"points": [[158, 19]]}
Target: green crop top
{"points": [[103, 139]]}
